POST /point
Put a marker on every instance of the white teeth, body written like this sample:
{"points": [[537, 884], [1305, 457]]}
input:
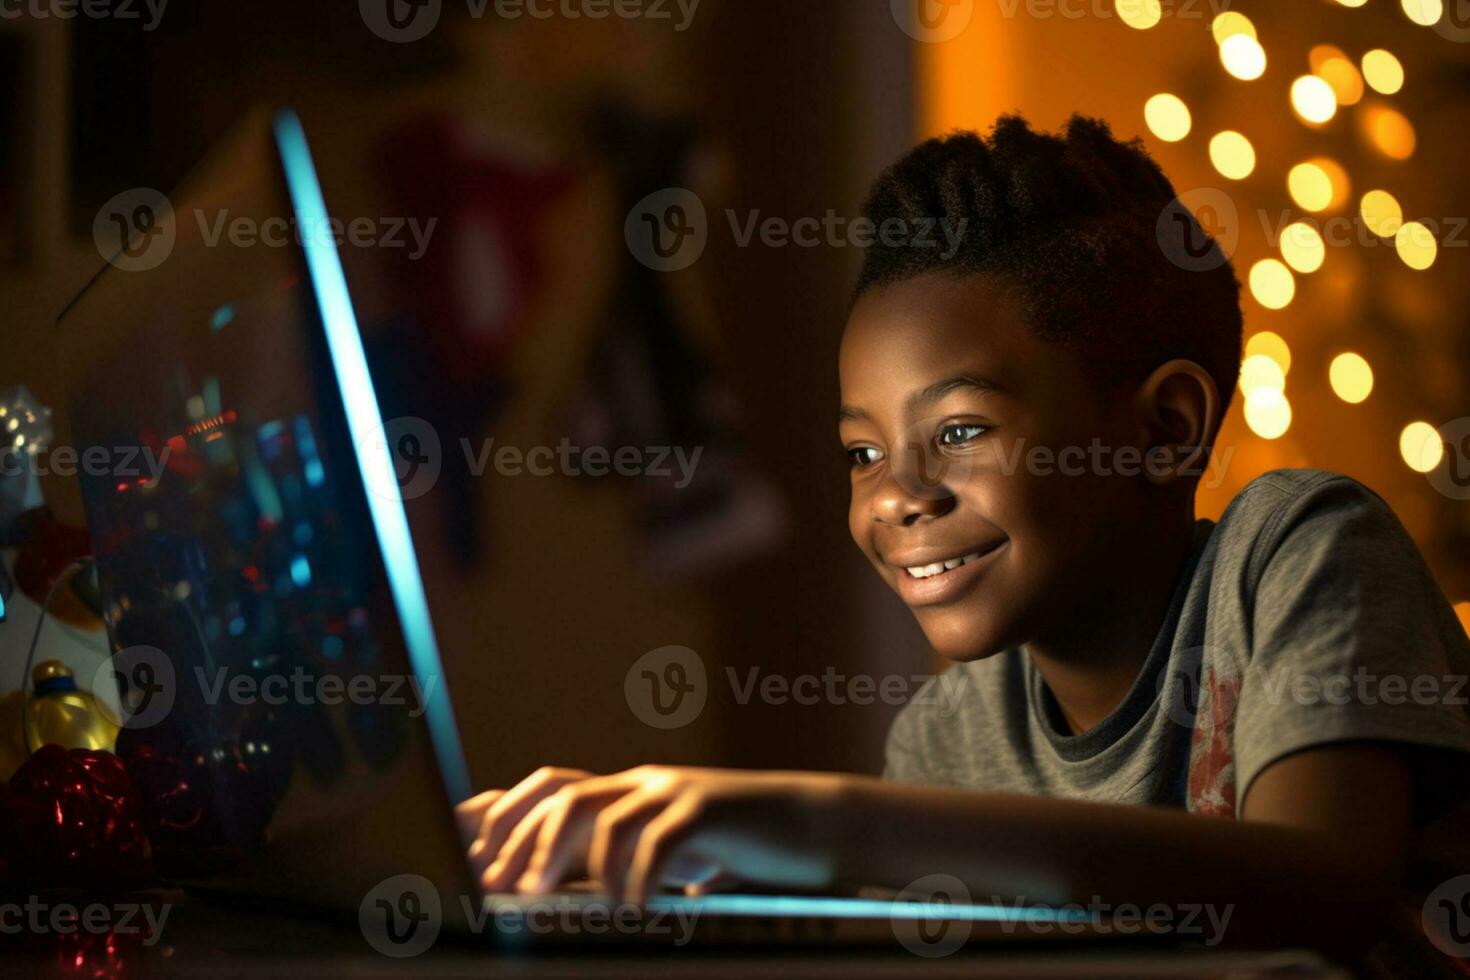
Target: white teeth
{"points": [[938, 567]]}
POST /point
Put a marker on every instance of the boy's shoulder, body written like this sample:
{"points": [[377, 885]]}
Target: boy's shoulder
{"points": [[1315, 508], [1275, 489]]}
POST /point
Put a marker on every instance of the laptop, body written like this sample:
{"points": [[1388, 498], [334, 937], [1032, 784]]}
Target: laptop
{"points": [[286, 715]]}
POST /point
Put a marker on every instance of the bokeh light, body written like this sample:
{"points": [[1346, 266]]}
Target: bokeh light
{"points": [[1383, 72], [1167, 117], [1339, 72], [1272, 345], [1139, 14], [1302, 247], [1243, 57], [1231, 23], [1260, 371], [1389, 131], [1416, 245], [1318, 184], [1272, 284], [1351, 377], [1425, 13], [1268, 412], [1323, 53], [1313, 99], [1421, 446], [1381, 213], [1232, 155]]}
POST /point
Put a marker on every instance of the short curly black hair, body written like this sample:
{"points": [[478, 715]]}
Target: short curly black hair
{"points": [[1075, 225]]}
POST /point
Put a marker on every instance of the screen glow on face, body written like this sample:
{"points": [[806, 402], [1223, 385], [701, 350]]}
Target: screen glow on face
{"points": [[375, 464]]}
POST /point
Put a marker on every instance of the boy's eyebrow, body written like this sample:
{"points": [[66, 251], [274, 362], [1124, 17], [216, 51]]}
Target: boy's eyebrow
{"points": [[928, 395], [960, 382]]}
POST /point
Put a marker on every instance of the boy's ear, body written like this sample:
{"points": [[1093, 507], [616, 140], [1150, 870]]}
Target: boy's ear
{"points": [[1179, 408]]}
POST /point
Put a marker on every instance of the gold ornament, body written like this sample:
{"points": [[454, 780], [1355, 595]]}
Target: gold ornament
{"points": [[61, 713]]}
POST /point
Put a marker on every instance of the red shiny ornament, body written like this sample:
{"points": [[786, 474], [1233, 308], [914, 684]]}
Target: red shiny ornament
{"points": [[74, 818]]}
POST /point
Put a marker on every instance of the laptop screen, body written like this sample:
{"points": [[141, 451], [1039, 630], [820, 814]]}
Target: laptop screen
{"points": [[284, 705]]}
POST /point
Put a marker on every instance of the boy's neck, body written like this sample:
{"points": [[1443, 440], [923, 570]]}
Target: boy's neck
{"points": [[1090, 663]]}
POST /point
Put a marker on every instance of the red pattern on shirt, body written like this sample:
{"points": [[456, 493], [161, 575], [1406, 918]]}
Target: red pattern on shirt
{"points": [[1212, 748]]}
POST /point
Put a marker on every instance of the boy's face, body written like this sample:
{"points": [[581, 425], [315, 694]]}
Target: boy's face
{"points": [[972, 441]]}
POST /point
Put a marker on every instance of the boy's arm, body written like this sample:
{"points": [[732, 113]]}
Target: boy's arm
{"points": [[1322, 829], [1327, 824]]}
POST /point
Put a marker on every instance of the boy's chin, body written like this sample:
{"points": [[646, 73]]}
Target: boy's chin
{"points": [[961, 639]]}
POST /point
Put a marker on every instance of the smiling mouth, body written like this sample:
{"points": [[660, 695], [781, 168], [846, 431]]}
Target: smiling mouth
{"points": [[940, 567], [940, 582]]}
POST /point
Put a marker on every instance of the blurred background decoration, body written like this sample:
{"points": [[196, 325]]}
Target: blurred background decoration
{"points": [[1327, 138]]}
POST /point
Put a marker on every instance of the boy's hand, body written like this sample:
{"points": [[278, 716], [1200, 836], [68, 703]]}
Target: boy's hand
{"points": [[629, 829]]}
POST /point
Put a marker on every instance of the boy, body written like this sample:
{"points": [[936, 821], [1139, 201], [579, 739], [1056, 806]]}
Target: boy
{"points": [[1026, 418]]}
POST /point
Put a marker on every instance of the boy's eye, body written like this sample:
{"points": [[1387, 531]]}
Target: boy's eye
{"points": [[860, 456], [959, 435]]}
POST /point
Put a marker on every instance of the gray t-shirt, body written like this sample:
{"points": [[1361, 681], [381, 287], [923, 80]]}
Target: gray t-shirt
{"points": [[1306, 616]]}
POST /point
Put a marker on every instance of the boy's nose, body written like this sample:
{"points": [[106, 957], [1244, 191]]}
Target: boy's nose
{"points": [[911, 493]]}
